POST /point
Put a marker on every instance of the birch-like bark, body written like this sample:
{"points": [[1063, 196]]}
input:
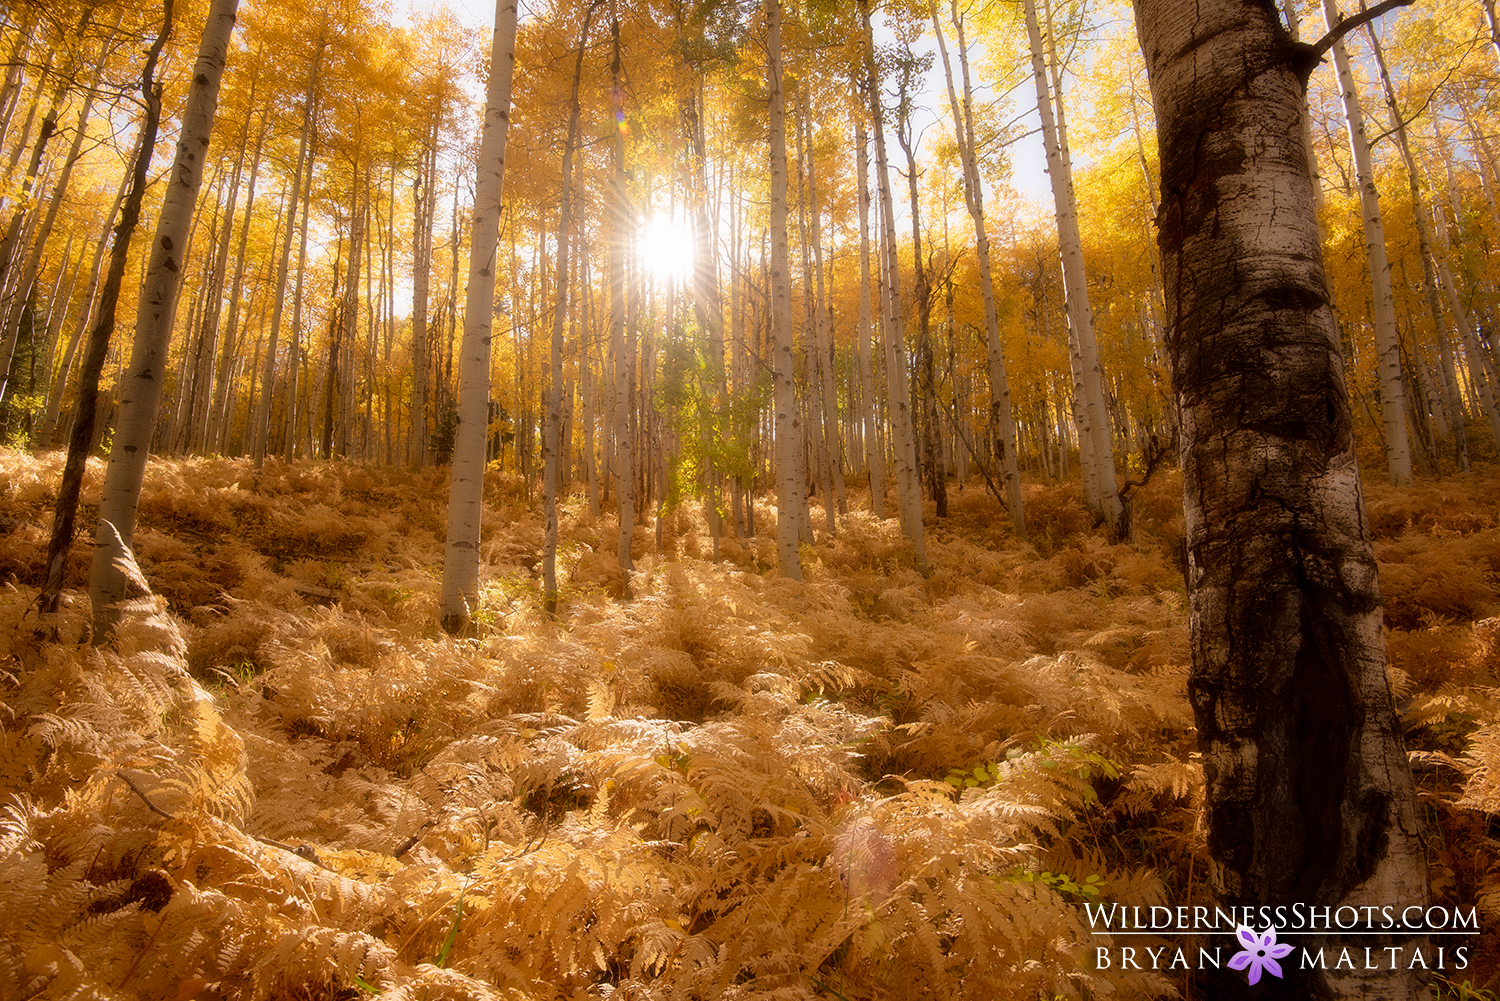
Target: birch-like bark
{"points": [[1493, 23], [814, 450], [208, 335], [424, 205], [1002, 418], [1309, 795], [619, 238], [297, 358], [903, 441], [1382, 294], [552, 433], [823, 339], [788, 431], [141, 385], [218, 432], [86, 312], [1424, 238], [44, 230], [23, 209], [262, 431], [874, 454], [15, 62], [16, 286], [460, 594], [1098, 458], [930, 434], [342, 389], [85, 408]]}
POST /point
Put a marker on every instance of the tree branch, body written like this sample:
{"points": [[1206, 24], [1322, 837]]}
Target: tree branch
{"points": [[1321, 46]]}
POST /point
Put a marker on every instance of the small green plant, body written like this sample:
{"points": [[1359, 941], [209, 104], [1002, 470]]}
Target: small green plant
{"points": [[981, 774], [1066, 885], [1086, 765]]}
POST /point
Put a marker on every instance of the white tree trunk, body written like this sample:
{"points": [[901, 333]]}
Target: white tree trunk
{"points": [[86, 312], [553, 440], [460, 594], [898, 388], [788, 432], [141, 385], [424, 204], [1099, 456], [1424, 236], [262, 429], [874, 454], [1002, 417], [619, 238], [1383, 296]]}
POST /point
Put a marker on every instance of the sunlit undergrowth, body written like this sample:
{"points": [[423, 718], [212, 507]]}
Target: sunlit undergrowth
{"points": [[286, 782]]}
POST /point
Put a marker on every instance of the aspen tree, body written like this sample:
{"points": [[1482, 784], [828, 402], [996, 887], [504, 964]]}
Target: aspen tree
{"points": [[929, 436], [86, 312], [296, 356], [1309, 795], [815, 452], [1002, 423], [14, 230], [141, 385], [196, 432], [1383, 296], [874, 453], [551, 435], [790, 485], [619, 230], [44, 231], [340, 394], [822, 336], [18, 286], [424, 205], [85, 406], [460, 594], [1096, 453], [904, 450], [1430, 282], [218, 421], [261, 433]]}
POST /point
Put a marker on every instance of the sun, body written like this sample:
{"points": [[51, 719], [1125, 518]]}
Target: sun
{"points": [[666, 248]]}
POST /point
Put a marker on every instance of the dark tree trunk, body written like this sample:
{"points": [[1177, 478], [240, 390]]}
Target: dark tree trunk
{"points": [[1310, 797]]}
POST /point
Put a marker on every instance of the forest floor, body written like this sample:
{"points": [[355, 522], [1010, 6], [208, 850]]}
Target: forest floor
{"points": [[705, 780]]}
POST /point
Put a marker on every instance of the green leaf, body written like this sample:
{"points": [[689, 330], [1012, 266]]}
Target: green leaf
{"points": [[458, 917]]}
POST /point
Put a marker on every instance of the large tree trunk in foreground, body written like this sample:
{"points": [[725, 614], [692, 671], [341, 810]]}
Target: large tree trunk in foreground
{"points": [[1309, 794], [466, 489], [141, 384]]}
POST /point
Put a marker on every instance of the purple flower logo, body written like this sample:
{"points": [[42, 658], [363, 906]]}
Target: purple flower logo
{"points": [[1260, 952]]}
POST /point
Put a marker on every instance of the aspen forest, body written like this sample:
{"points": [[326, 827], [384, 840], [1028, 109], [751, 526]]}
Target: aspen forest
{"points": [[749, 500]]}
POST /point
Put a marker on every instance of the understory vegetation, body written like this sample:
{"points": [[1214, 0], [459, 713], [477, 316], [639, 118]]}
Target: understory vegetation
{"points": [[700, 781]]}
